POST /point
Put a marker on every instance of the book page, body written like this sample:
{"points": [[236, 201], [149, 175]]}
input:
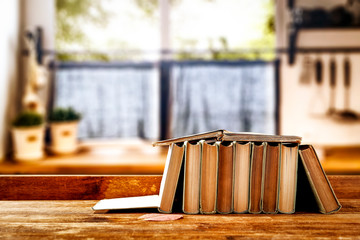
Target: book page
{"points": [[150, 201]]}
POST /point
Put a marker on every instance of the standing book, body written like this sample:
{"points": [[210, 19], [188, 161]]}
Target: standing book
{"points": [[288, 177], [271, 178], [225, 179], [242, 159], [193, 155], [209, 177], [256, 177]]}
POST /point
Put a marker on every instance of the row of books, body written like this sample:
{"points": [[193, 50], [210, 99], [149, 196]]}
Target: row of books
{"points": [[224, 172], [226, 177]]}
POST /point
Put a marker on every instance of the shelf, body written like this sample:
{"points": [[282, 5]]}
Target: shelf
{"points": [[328, 38]]}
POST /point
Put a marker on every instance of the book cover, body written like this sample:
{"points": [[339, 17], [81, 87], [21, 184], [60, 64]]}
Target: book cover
{"points": [[170, 179], [224, 135]]}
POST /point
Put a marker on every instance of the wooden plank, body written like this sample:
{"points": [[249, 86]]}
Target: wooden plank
{"points": [[346, 186], [76, 187], [76, 220], [70, 187]]}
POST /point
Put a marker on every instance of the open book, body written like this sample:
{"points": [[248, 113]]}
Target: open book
{"points": [[224, 135], [169, 182]]}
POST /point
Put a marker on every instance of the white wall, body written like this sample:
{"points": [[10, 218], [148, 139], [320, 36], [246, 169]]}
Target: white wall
{"points": [[40, 13], [15, 17], [298, 100], [9, 53]]}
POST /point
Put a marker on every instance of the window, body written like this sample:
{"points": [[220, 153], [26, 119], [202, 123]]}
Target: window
{"points": [[134, 28], [109, 68]]}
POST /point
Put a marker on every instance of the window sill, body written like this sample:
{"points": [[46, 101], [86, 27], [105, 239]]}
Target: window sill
{"points": [[97, 157]]}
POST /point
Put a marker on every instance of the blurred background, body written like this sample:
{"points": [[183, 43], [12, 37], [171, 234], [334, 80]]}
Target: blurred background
{"points": [[87, 85]]}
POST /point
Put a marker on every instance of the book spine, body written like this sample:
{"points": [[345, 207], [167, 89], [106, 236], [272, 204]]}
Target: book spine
{"points": [[285, 168], [209, 177], [265, 144], [191, 191], [257, 177], [225, 179], [271, 178], [242, 159]]}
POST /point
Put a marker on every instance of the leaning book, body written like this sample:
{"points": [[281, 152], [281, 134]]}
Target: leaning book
{"points": [[320, 185]]}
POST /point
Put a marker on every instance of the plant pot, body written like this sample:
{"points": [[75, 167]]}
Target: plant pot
{"points": [[28, 143], [64, 137]]}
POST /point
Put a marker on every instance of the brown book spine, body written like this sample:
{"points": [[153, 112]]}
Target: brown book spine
{"points": [[242, 159], [191, 202], [225, 178], [209, 177], [271, 178], [256, 177]]}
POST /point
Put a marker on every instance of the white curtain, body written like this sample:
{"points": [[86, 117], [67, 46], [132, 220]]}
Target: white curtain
{"points": [[123, 102], [236, 97], [115, 102]]}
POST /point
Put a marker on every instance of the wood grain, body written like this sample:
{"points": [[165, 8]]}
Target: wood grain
{"points": [[76, 187], [70, 187], [76, 220], [346, 186]]}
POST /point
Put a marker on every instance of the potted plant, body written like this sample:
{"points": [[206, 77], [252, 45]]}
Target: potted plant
{"points": [[28, 136], [63, 128]]}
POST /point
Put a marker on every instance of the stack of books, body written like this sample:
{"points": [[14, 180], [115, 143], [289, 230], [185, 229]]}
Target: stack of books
{"points": [[225, 172]]}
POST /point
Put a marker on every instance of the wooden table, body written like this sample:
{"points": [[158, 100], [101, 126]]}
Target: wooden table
{"points": [[55, 217]]}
